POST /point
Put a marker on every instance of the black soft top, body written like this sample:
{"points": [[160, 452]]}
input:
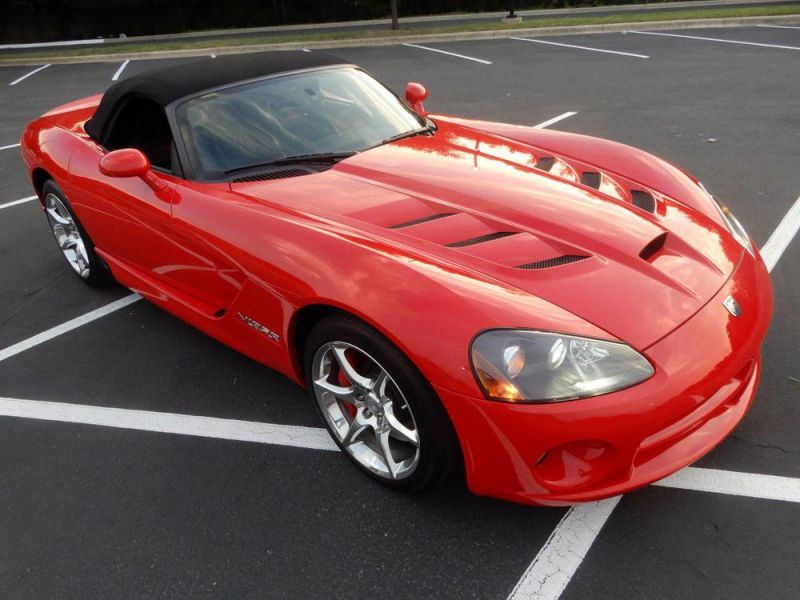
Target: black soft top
{"points": [[171, 83]]}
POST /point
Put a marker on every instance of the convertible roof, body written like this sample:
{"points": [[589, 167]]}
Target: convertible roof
{"points": [[171, 83]]}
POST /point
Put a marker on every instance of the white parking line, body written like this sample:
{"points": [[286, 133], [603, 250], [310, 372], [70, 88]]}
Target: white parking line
{"points": [[570, 541], [779, 240], [780, 26], [519, 39], [560, 117], [735, 483], [9, 146], [564, 551], [708, 39], [15, 202], [58, 330], [559, 559], [472, 58], [28, 74], [554, 565], [120, 70], [145, 420]]}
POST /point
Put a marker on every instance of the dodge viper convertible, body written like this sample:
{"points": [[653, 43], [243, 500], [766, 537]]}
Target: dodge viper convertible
{"points": [[555, 317]]}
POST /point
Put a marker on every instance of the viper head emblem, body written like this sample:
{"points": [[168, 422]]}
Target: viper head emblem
{"points": [[732, 306]]}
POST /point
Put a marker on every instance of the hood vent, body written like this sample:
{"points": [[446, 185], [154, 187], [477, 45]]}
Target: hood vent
{"points": [[591, 179], [545, 163], [420, 220], [481, 239], [551, 262], [272, 175], [652, 247], [643, 200]]}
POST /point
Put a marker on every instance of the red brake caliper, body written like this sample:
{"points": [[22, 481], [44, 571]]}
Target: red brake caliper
{"points": [[342, 380]]}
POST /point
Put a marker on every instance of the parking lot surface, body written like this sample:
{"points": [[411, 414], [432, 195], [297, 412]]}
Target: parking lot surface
{"points": [[97, 511]]}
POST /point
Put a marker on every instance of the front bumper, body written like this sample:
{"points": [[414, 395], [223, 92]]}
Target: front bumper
{"points": [[707, 372]]}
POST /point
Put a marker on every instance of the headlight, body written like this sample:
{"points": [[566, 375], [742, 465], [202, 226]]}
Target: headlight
{"points": [[732, 223], [537, 366]]}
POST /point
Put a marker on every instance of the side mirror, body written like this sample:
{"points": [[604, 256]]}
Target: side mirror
{"points": [[130, 162], [127, 162], [415, 94]]}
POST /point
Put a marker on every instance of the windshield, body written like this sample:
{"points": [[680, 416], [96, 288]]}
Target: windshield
{"points": [[328, 111]]}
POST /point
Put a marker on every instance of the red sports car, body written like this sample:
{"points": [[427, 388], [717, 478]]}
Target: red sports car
{"points": [[563, 318]]}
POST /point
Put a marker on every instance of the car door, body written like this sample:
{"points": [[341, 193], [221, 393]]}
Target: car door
{"points": [[127, 217], [131, 219], [203, 264]]}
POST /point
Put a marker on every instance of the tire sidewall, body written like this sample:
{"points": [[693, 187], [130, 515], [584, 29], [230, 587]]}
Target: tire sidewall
{"points": [[98, 273], [433, 425]]}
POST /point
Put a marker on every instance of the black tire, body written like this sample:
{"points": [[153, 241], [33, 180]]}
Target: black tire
{"points": [[439, 451], [98, 274]]}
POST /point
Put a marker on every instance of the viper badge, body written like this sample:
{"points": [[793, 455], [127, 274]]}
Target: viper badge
{"points": [[260, 328], [732, 306]]}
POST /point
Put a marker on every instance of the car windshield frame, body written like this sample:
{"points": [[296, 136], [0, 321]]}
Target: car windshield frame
{"points": [[192, 171]]}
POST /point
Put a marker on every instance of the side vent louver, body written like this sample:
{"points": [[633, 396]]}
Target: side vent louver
{"points": [[420, 220], [591, 179], [272, 175], [481, 239], [643, 200], [551, 262], [545, 163]]}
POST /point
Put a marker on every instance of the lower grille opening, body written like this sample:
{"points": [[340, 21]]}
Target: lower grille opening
{"points": [[551, 262]]}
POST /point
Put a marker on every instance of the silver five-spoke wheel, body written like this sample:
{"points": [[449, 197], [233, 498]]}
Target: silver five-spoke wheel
{"points": [[67, 235], [366, 410]]}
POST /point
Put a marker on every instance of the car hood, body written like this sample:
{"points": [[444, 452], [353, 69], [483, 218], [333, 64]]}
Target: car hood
{"points": [[618, 254]]}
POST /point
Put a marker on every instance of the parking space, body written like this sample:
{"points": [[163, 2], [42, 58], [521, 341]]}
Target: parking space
{"points": [[109, 513], [665, 544], [90, 511]]}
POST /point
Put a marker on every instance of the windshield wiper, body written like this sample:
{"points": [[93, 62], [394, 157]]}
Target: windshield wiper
{"points": [[323, 158], [406, 134], [326, 157]]}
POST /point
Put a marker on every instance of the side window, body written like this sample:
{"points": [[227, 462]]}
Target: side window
{"points": [[142, 124]]}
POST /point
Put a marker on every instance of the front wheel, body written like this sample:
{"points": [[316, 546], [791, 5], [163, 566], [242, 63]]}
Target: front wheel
{"points": [[71, 237], [379, 409]]}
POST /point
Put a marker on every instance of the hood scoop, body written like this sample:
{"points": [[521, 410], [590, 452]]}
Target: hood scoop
{"points": [[653, 247]]}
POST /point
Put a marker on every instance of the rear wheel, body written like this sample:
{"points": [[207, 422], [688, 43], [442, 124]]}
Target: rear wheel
{"points": [[379, 409], [71, 237]]}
